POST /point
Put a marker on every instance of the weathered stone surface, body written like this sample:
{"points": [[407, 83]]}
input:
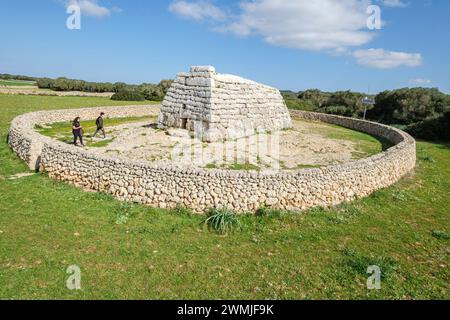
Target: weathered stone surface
{"points": [[219, 106], [197, 188]]}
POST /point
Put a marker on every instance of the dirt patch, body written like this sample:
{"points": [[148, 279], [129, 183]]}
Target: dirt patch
{"points": [[307, 144]]}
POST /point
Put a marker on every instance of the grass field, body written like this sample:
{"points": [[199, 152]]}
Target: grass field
{"points": [[130, 251], [16, 83]]}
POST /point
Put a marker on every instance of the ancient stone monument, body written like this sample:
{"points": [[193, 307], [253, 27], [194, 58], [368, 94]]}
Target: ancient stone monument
{"points": [[171, 185], [219, 106]]}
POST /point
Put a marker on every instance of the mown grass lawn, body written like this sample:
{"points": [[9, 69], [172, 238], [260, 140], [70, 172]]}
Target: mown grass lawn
{"points": [[16, 83], [130, 251]]}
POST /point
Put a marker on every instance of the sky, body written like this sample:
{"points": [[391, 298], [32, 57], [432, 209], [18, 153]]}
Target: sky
{"points": [[358, 45]]}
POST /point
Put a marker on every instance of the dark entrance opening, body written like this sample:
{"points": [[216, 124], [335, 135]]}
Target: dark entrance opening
{"points": [[183, 123]]}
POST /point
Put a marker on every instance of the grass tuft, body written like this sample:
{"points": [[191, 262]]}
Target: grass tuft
{"points": [[222, 221], [427, 158], [442, 235], [267, 211], [355, 262], [183, 211]]}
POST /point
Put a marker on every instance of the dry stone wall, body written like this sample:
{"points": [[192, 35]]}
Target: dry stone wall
{"points": [[243, 191], [220, 106]]}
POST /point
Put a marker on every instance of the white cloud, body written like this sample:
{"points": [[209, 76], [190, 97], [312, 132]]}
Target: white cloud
{"points": [[394, 3], [419, 81], [91, 8], [304, 24], [197, 10], [383, 59], [332, 26]]}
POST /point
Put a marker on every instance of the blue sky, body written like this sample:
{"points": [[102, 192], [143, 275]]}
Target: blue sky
{"points": [[289, 44]]}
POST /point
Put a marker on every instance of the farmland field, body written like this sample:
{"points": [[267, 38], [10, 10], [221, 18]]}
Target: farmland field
{"points": [[16, 83]]}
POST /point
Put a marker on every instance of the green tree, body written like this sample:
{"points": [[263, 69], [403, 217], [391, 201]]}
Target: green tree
{"points": [[408, 105], [316, 97]]}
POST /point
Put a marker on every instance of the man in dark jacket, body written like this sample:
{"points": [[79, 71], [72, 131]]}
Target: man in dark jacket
{"points": [[77, 131], [100, 126]]}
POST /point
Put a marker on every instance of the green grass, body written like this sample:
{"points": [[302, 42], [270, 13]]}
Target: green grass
{"points": [[308, 166], [234, 166], [243, 166], [16, 83], [366, 144], [129, 251], [99, 144]]}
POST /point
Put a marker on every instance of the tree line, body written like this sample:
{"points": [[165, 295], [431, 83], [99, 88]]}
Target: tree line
{"points": [[123, 91], [423, 112], [6, 76]]}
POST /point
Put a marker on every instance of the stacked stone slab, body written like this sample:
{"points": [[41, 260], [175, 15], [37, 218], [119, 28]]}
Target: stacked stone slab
{"points": [[219, 106]]}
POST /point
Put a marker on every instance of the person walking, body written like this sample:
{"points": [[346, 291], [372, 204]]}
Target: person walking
{"points": [[100, 126], [77, 131]]}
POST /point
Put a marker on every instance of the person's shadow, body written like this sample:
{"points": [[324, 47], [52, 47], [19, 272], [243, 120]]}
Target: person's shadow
{"points": [[151, 126]]}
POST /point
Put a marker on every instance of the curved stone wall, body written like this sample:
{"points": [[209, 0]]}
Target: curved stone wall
{"points": [[199, 189]]}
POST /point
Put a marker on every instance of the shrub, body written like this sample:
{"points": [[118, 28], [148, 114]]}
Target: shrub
{"points": [[346, 103], [62, 84], [316, 97], [154, 92], [432, 129], [296, 104], [338, 110], [128, 96], [44, 83], [408, 106], [164, 85], [119, 86], [151, 92], [222, 220]]}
